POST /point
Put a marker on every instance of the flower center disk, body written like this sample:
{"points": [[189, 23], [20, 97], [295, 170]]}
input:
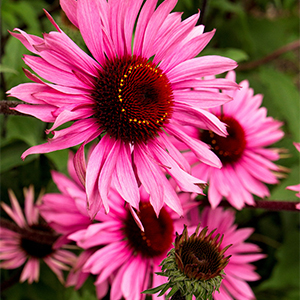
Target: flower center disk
{"points": [[230, 148], [38, 241], [133, 99], [201, 259], [158, 235]]}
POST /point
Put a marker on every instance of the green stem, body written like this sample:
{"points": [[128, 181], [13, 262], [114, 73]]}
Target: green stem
{"points": [[264, 204], [6, 105]]}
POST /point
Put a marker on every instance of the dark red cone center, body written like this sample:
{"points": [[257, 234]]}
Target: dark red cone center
{"points": [[230, 148], [202, 257], [133, 99], [38, 241], [158, 235]]}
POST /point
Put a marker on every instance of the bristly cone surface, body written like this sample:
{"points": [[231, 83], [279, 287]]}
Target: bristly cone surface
{"points": [[199, 256], [133, 99], [194, 266]]}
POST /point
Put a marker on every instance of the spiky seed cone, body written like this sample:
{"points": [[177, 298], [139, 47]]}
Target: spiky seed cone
{"points": [[194, 266]]}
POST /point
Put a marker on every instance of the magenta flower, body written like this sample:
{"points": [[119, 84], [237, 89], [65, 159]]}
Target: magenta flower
{"points": [[118, 249], [133, 94], [296, 187], [238, 270], [30, 240], [247, 163]]}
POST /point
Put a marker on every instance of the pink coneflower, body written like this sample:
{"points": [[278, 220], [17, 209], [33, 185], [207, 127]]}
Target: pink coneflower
{"points": [[247, 163], [122, 252], [296, 187], [238, 270], [30, 240], [133, 94]]}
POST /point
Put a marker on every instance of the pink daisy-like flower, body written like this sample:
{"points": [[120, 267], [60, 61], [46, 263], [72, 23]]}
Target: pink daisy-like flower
{"points": [[136, 92], [238, 270], [124, 254], [296, 187], [30, 240], [247, 163]]}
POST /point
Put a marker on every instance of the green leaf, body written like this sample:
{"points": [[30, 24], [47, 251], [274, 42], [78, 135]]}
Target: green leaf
{"points": [[11, 155], [236, 54], [12, 57], [228, 6], [5, 69], [282, 98], [281, 193], [27, 129], [285, 277], [59, 159]]}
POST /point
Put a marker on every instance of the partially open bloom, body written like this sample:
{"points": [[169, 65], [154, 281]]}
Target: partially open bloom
{"points": [[296, 187], [238, 270], [30, 240], [194, 266], [247, 163], [121, 252], [133, 94]]}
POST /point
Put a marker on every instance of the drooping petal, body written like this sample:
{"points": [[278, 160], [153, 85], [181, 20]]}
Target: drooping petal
{"points": [[200, 149], [94, 166], [66, 138], [184, 180], [199, 117], [149, 174], [106, 174], [42, 112], [125, 177], [31, 271]]}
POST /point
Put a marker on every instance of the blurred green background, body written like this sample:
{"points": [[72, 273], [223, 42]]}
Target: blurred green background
{"points": [[263, 37]]}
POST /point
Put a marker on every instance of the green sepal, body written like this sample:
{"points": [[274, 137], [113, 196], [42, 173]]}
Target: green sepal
{"points": [[173, 291], [165, 289], [161, 274], [154, 290]]}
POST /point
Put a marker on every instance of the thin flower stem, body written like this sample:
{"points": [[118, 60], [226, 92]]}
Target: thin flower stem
{"points": [[264, 204], [5, 106], [202, 12], [256, 63]]}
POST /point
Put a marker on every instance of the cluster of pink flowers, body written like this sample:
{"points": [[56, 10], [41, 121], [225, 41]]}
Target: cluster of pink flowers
{"points": [[163, 126]]}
